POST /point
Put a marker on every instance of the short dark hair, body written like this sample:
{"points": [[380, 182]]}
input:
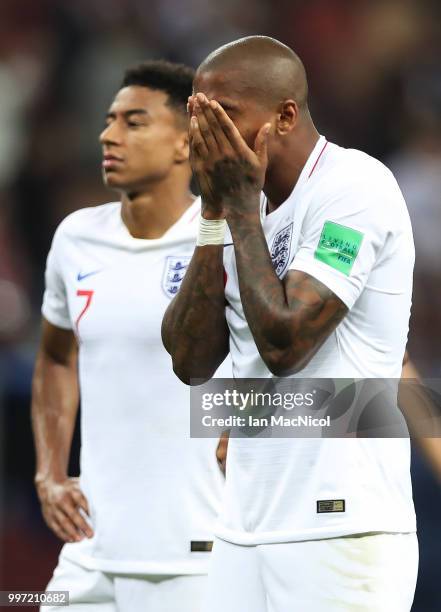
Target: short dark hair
{"points": [[176, 80]]}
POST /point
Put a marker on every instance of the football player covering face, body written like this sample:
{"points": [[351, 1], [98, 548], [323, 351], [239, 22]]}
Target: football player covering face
{"points": [[300, 245]]}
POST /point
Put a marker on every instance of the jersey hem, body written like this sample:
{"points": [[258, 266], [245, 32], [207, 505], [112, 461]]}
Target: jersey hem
{"points": [[253, 539], [138, 567]]}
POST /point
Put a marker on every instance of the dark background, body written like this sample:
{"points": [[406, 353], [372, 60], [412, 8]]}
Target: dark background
{"points": [[375, 79]]}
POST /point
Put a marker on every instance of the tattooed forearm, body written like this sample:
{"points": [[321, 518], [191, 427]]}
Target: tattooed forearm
{"points": [[289, 319], [194, 329]]}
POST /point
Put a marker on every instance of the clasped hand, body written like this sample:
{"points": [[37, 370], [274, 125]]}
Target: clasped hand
{"points": [[230, 174]]}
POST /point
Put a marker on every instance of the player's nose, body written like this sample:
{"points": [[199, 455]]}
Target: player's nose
{"points": [[110, 135]]}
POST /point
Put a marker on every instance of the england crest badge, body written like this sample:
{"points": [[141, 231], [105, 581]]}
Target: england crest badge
{"points": [[174, 271], [280, 249]]}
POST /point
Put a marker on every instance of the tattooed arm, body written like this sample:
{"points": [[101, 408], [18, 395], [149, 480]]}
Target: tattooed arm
{"points": [[289, 319]]}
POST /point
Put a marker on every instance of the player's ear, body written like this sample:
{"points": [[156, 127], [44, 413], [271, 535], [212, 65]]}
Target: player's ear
{"points": [[287, 117], [182, 149]]}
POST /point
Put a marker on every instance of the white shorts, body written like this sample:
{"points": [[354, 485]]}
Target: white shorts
{"points": [[364, 573], [92, 590]]}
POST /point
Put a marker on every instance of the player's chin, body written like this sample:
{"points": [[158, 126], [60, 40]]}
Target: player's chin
{"points": [[113, 179]]}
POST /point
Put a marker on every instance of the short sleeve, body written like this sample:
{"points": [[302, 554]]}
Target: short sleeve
{"points": [[341, 239], [55, 307]]}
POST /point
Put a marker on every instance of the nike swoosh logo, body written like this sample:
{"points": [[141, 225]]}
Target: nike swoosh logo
{"points": [[229, 244], [81, 277]]}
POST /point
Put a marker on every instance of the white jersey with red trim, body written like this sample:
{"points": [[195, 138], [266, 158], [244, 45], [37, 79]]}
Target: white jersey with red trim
{"points": [[346, 224], [152, 490]]}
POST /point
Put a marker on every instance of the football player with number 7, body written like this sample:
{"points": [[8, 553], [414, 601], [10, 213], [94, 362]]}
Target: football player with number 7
{"points": [[137, 525]]}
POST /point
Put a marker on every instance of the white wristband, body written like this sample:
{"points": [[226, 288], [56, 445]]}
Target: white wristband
{"points": [[211, 231]]}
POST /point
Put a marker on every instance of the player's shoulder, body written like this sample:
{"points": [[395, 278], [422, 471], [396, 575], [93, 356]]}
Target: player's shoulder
{"points": [[350, 184], [88, 218], [352, 168], [353, 181]]}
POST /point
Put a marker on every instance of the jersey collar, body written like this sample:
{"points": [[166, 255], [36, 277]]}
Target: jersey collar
{"points": [[308, 170]]}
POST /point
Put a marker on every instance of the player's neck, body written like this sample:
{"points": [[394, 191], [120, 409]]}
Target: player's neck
{"points": [[283, 176], [149, 213]]}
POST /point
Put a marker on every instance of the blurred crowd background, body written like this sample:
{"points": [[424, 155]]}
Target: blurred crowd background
{"points": [[374, 70]]}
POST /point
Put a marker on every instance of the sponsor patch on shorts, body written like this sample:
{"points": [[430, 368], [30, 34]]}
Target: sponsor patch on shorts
{"points": [[330, 505], [338, 246], [201, 545]]}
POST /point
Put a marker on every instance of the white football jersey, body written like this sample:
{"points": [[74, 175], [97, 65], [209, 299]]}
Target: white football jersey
{"points": [[153, 492], [346, 224]]}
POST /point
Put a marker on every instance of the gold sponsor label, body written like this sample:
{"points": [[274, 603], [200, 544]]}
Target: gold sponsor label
{"points": [[201, 546], [330, 505]]}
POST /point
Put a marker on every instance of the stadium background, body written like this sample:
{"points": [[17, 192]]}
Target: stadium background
{"points": [[375, 79]]}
